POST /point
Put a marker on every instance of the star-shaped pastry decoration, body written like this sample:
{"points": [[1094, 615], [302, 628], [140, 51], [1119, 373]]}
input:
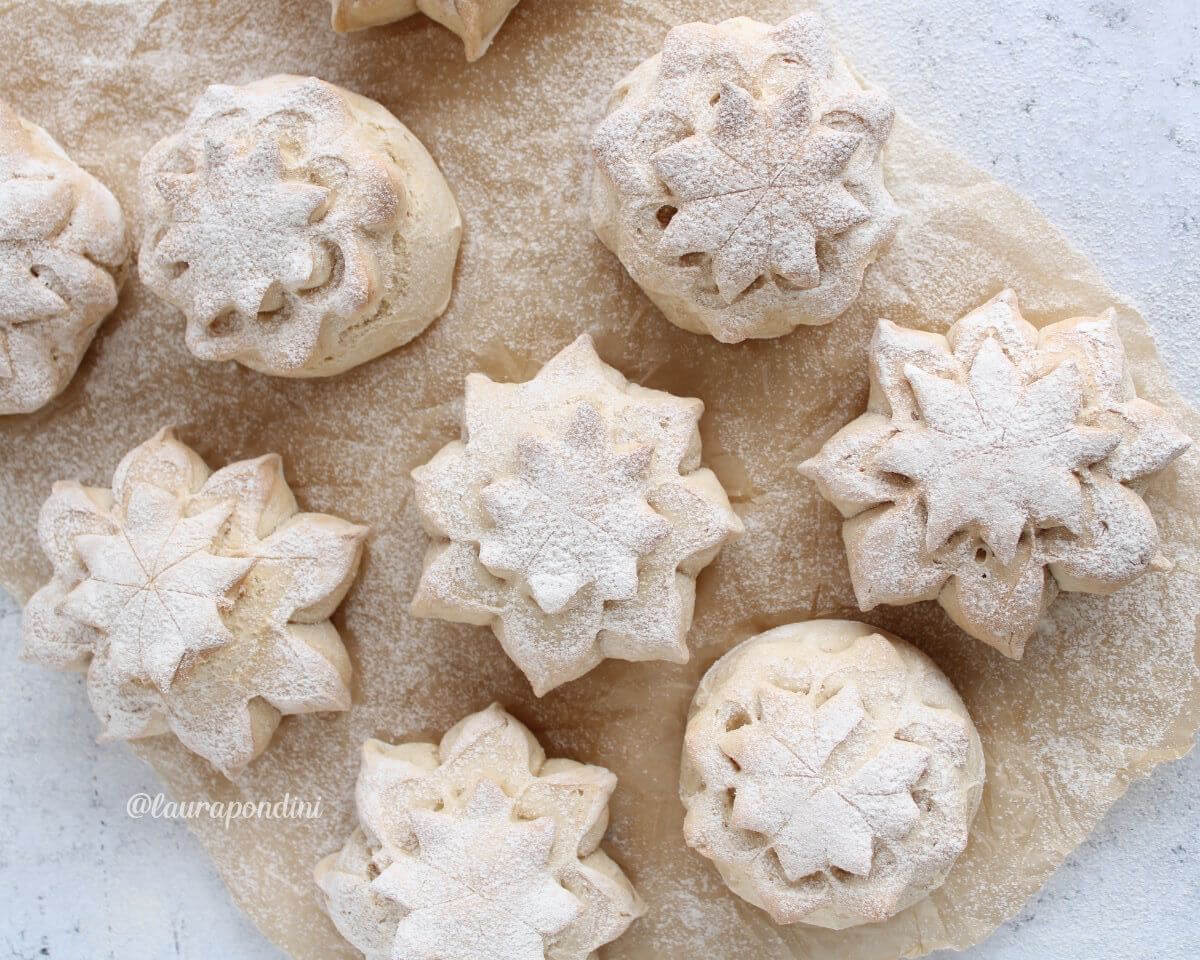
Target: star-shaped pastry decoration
{"points": [[995, 466], [812, 821], [830, 772], [478, 849], [758, 190], [198, 603], [154, 588], [573, 518], [738, 178], [480, 884], [240, 223], [279, 220], [476, 21], [574, 514], [63, 253]]}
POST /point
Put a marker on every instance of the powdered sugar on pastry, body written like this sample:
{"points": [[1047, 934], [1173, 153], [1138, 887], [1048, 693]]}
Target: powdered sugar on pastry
{"points": [[478, 848], [63, 256], [995, 466], [301, 228], [738, 178], [198, 603], [831, 773], [476, 21], [573, 517]]}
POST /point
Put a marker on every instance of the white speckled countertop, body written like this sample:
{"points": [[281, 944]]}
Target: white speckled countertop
{"points": [[1091, 109]]}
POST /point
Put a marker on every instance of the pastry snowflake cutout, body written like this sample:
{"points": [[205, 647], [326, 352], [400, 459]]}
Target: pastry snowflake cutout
{"points": [[476, 21], [995, 466], [573, 518], [63, 254], [300, 228], [739, 181], [831, 773], [478, 848], [197, 602]]}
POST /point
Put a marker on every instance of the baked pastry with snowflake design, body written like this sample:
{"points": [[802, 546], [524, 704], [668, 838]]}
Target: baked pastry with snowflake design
{"points": [[197, 602], [478, 848], [301, 228], [573, 518], [476, 21], [831, 773], [996, 466], [64, 252], [738, 178]]}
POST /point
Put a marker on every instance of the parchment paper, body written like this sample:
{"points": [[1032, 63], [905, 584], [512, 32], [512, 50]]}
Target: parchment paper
{"points": [[1108, 689]]}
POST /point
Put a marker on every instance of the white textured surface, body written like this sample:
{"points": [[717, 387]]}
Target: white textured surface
{"points": [[1091, 109]]}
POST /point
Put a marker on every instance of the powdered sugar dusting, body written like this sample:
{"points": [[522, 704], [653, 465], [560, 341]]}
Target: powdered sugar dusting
{"points": [[63, 254], [300, 227], [1116, 675], [572, 517], [831, 773], [995, 466], [197, 602]]}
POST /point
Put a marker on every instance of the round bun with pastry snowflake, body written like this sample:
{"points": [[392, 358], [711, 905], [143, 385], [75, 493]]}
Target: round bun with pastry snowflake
{"points": [[197, 602], [738, 178], [63, 256], [301, 228], [573, 518], [831, 773], [476, 21], [996, 466], [478, 848]]}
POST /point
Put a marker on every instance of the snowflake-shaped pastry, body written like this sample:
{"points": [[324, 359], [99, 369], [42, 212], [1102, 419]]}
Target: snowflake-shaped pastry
{"points": [[739, 181], [197, 602], [995, 466], [573, 518], [476, 21], [831, 773], [478, 848], [63, 254], [300, 227]]}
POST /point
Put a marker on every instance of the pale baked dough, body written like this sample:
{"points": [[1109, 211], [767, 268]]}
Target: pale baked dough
{"points": [[64, 251], [996, 466], [573, 517], [831, 772], [478, 848], [476, 21], [301, 228], [738, 178], [198, 603]]}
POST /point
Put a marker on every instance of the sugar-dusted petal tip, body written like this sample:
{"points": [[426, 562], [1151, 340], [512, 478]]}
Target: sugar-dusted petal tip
{"points": [[317, 556], [845, 471]]}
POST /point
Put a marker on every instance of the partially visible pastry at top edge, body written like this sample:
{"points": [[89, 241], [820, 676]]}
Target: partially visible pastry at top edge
{"points": [[64, 251], [476, 21], [573, 518], [996, 466], [831, 773], [301, 228], [738, 178]]}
